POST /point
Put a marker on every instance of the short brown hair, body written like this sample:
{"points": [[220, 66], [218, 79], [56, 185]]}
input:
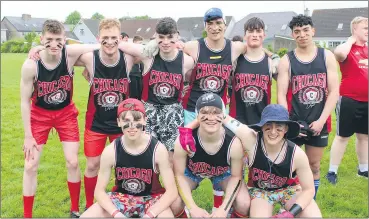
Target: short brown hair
{"points": [[135, 114], [254, 23], [52, 26], [108, 23], [137, 38]]}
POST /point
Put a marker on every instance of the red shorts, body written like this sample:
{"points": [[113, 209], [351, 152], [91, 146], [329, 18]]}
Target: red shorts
{"points": [[94, 142], [64, 121]]}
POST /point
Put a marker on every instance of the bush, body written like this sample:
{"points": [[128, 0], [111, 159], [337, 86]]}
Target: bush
{"points": [[13, 46], [282, 51], [269, 47]]}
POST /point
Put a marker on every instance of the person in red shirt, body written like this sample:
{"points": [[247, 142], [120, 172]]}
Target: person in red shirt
{"points": [[352, 107]]}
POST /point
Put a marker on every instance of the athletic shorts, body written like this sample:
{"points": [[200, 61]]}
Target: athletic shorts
{"points": [[281, 196], [64, 121], [163, 122], [352, 117], [94, 142], [133, 206], [315, 141], [215, 180]]}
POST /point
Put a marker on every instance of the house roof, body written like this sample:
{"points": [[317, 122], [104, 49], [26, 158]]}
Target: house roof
{"points": [[327, 21], [92, 24], [68, 27], [29, 25], [70, 34], [195, 25], [274, 22], [3, 27], [143, 28]]}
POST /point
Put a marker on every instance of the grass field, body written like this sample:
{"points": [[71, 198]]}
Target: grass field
{"points": [[349, 198]]}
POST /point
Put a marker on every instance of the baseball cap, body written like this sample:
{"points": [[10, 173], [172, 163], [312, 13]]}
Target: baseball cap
{"points": [[209, 99], [131, 104], [213, 13]]}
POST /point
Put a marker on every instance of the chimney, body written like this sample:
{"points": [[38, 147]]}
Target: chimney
{"points": [[26, 17], [307, 12]]}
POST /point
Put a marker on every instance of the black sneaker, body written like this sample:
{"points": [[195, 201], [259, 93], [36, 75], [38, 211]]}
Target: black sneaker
{"points": [[362, 174], [74, 214], [331, 177]]}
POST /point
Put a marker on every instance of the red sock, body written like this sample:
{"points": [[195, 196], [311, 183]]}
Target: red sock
{"points": [[74, 191], [218, 198], [182, 214], [90, 184], [27, 206], [235, 214]]}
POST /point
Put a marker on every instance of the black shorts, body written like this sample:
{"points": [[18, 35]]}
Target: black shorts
{"points": [[315, 141], [352, 117]]}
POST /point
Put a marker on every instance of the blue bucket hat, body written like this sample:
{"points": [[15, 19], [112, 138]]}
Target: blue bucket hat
{"points": [[213, 13], [277, 113]]}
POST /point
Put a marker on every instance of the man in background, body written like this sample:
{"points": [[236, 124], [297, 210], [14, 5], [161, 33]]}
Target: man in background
{"points": [[135, 75]]}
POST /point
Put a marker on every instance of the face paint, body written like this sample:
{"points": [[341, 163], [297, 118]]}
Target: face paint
{"points": [[205, 118], [104, 42], [47, 44], [116, 42], [137, 126], [60, 45]]}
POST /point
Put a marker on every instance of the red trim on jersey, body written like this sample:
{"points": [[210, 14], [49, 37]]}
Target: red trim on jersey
{"points": [[289, 98], [269, 91], [91, 109], [188, 93], [233, 104], [145, 85]]}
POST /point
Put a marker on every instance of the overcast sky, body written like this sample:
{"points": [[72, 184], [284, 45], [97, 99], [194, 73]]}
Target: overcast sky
{"points": [[116, 9]]}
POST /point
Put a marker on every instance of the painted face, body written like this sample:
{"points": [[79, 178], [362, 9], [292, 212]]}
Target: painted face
{"points": [[254, 38], [215, 29], [273, 133], [210, 118], [167, 42], [303, 35], [133, 126], [109, 40], [53, 43], [360, 31]]}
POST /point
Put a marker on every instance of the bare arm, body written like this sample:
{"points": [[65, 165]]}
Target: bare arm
{"points": [[133, 49], [236, 173], [188, 66], [179, 161], [106, 164], [283, 81], [243, 132], [28, 75], [343, 50], [76, 50], [86, 60], [303, 171], [166, 172], [238, 48], [333, 86], [191, 48]]}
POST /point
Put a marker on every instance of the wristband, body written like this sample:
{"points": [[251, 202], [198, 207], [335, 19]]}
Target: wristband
{"points": [[274, 56], [115, 213], [295, 209], [150, 214], [233, 125]]}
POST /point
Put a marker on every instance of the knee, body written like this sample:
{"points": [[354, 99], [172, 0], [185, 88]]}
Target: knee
{"points": [[342, 139], [92, 165], [362, 138], [72, 163], [30, 167], [177, 206], [242, 203], [315, 167]]}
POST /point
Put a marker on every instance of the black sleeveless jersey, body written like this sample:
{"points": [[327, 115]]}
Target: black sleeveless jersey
{"points": [[264, 174], [108, 87], [207, 165], [210, 75], [251, 90], [163, 82], [53, 88], [137, 174], [308, 89]]}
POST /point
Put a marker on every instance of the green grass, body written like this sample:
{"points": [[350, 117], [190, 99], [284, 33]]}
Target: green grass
{"points": [[349, 198]]}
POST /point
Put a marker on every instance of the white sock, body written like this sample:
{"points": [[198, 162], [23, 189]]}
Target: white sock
{"points": [[363, 167], [333, 168], [218, 193]]}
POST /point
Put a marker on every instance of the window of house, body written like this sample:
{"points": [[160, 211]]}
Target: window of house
{"points": [[35, 25], [333, 44], [82, 32], [339, 27], [196, 25], [139, 29], [26, 25], [148, 29], [284, 26]]}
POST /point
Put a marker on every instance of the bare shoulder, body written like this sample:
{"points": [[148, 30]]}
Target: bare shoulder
{"points": [[29, 69], [161, 153], [300, 158], [193, 44], [188, 61], [237, 149]]}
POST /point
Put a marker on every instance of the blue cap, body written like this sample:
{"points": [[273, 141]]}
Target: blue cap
{"points": [[213, 13], [277, 113]]}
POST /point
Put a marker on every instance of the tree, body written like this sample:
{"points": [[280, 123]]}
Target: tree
{"points": [[144, 17], [73, 18], [270, 48], [29, 37], [97, 16], [204, 34]]}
